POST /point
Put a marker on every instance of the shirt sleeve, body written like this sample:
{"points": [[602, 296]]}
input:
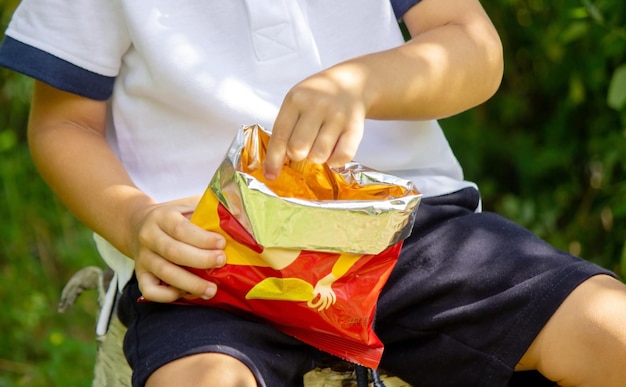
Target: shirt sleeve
{"points": [[74, 46], [401, 6]]}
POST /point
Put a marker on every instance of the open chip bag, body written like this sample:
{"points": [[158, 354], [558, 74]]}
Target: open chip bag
{"points": [[308, 252]]}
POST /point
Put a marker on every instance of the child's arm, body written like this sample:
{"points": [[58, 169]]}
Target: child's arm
{"points": [[453, 62], [67, 139]]}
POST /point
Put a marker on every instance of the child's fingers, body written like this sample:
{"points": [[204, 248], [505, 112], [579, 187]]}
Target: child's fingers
{"points": [[347, 144], [338, 138], [186, 255], [186, 244], [153, 290], [177, 225], [303, 136], [321, 119], [277, 147], [169, 234], [166, 241], [169, 282]]}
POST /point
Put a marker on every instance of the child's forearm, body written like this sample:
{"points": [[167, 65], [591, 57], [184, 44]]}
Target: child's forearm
{"points": [[453, 62], [67, 142]]}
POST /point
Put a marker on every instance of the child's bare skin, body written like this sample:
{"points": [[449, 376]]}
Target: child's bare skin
{"points": [[321, 119]]}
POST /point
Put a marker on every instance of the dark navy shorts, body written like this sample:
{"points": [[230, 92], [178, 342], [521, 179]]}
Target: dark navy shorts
{"points": [[467, 297]]}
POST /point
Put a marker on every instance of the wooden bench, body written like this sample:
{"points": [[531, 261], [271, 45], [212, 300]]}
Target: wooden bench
{"points": [[111, 368]]}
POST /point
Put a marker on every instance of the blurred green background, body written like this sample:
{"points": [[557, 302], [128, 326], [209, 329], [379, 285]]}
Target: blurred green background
{"points": [[548, 150]]}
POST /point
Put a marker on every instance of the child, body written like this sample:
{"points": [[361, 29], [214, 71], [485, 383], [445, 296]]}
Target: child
{"points": [[137, 101]]}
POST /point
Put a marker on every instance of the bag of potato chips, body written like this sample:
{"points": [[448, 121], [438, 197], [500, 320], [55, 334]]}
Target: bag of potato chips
{"points": [[310, 251]]}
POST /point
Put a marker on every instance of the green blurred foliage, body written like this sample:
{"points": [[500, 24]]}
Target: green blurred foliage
{"points": [[42, 245], [548, 151]]}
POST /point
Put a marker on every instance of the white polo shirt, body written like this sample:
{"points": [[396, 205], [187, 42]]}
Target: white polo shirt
{"points": [[181, 77]]}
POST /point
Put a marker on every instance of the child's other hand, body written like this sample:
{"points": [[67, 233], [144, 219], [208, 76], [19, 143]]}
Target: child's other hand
{"points": [[321, 119], [165, 240]]}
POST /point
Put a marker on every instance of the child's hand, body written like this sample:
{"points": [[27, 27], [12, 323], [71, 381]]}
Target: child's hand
{"points": [[164, 240], [321, 119]]}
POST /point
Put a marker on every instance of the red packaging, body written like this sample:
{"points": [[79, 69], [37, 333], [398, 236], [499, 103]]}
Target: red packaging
{"points": [[323, 298], [326, 300]]}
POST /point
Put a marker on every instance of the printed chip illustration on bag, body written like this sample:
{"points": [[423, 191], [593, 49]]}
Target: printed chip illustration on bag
{"points": [[308, 252], [320, 296]]}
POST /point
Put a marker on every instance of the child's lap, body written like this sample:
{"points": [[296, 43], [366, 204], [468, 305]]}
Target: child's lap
{"points": [[467, 297], [160, 333]]}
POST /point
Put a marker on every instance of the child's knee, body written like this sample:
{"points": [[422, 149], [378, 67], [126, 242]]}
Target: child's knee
{"points": [[584, 343], [205, 369]]}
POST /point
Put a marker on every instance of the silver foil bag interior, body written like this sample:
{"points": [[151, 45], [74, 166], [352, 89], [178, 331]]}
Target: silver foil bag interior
{"points": [[346, 226]]}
